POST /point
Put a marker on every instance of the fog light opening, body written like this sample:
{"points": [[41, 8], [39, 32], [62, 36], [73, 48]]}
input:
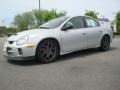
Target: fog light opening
{"points": [[20, 51]]}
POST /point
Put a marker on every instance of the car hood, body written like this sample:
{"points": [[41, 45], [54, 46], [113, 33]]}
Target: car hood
{"points": [[19, 35]]}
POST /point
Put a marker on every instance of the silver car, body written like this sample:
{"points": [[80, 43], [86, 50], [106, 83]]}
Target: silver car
{"points": [[57, 37]]}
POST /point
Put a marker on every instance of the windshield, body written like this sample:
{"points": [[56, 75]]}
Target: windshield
{"points": [[54, 23]]}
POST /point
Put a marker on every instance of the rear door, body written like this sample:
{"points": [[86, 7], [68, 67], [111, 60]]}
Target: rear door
{"points": [[94, 32]]}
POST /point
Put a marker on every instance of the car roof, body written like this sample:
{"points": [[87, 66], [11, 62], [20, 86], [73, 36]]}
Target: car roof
{"points": [[83, 16], [78, 16]]}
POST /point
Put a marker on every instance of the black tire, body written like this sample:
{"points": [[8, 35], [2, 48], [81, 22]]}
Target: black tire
{"points": [[47, 51], [105, 43]]}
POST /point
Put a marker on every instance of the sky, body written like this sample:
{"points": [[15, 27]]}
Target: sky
{"points": [[10, 8]]}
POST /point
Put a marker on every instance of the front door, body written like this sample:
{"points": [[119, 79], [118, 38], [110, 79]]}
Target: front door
{"points": [[75, 37]]}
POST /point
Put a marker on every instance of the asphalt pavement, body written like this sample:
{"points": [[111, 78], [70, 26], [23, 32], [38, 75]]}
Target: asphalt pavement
{"points": [[83, 70]]}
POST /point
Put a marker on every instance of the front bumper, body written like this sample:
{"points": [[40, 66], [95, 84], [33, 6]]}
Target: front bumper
{"points": [[19, 58], [15, 52]]}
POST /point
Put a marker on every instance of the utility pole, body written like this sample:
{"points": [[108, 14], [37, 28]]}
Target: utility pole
{"points": [[40, 11], [39, 5]]}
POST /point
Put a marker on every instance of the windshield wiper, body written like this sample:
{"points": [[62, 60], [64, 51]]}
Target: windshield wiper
{"points": [[44, 27]]}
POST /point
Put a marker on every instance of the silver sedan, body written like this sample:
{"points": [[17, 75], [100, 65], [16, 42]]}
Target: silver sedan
{"points": [[57, 37]]}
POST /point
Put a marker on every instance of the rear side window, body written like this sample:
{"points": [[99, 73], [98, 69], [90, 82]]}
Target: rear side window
{"points": [[91, 22], [77, 22]]}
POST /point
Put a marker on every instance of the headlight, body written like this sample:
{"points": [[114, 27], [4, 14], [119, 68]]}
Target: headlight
{"points": [[22, 40]]}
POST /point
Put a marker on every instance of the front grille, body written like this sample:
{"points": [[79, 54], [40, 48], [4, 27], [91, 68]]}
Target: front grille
{"points": [[11, 42]]}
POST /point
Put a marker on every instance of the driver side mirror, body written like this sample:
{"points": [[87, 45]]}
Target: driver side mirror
{"points": [[67, 26]]}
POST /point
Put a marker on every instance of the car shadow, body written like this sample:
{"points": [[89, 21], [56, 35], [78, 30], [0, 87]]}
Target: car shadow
{"points": [[70, 56], [82, 54], [24, 62]]}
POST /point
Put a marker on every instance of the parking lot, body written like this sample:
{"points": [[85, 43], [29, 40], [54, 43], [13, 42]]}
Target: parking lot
{"points": [[84, 70]]}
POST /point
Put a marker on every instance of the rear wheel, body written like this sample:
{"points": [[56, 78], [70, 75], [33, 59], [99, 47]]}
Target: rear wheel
{"points": [[47, 51], [105, 43]]}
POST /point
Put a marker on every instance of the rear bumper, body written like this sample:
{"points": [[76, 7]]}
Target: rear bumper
{"points": [[19, 58]]}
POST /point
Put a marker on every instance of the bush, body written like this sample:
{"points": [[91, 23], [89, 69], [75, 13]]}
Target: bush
{"points": [[115, 33], [118, 22], [5, 31]]}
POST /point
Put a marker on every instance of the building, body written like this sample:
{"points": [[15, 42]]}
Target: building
{"points": [[111, 23]]}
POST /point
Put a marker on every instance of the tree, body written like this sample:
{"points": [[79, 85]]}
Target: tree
{"points": [[24, 21], [18, 22], [35, 18], [92, 14], [46, 15], [118, 22]]}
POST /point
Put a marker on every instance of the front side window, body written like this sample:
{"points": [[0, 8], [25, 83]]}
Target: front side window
{"points": [[91, 23], [54, 23], [76, 22]]}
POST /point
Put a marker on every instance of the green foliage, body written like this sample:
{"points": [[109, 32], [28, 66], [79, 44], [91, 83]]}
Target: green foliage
{"points": [[116, 33], [46, 15], [92, 14], [24, 21], [35, 18], [4, 30], [118, 22]]}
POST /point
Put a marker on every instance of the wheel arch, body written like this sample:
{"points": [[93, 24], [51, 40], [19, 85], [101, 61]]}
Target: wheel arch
{"points": [[104, 36], [50, 38]]}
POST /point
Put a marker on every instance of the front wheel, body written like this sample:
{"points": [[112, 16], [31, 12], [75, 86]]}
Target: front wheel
{"points": [[105, 43], [47, 51]]}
